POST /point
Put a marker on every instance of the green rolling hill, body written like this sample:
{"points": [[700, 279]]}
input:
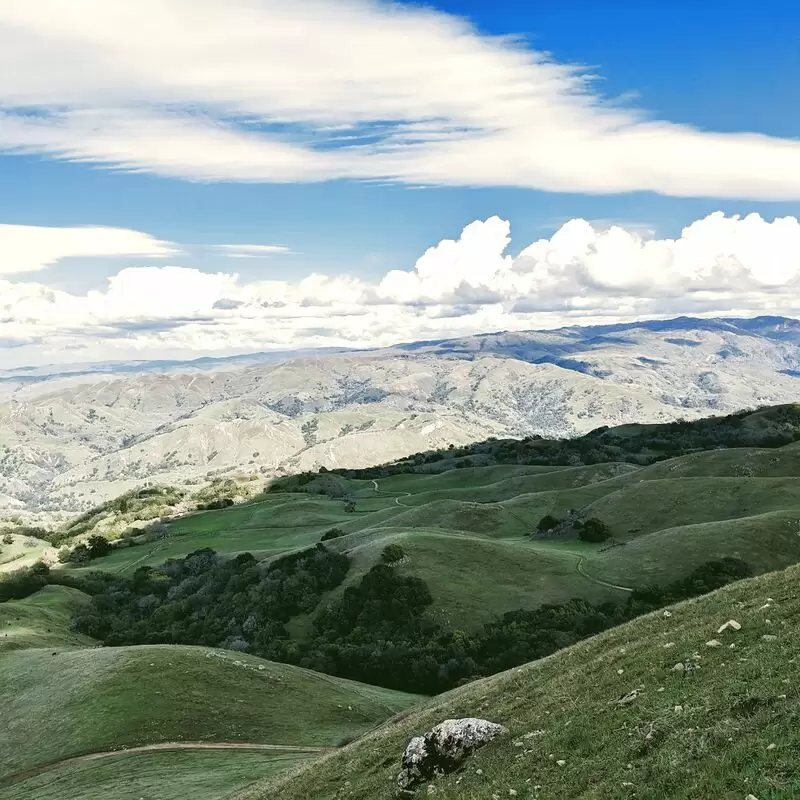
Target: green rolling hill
{"points": [[71, 710], [423, 575], [611, 718]]}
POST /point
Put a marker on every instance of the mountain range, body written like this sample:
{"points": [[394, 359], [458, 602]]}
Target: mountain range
{"points": [[75, 435]]}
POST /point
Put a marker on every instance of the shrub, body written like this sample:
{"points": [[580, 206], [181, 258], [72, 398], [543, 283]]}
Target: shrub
{"points": [[333, 533], [594, 530], [392, 553], [8, 539], [98, 546], [547, 523]]}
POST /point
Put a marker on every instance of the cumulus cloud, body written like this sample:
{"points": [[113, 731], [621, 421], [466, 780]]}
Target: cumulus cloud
{"points": [[28, 248], [585, 273], [265, 90]]}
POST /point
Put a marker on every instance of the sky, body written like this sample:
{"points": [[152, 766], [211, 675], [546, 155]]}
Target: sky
{"points": [[182, 178]]}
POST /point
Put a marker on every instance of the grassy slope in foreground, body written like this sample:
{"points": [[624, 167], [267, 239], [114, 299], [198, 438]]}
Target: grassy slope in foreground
{"points": [[93, 700], [173, 775], [729, 729], [41, 620]]}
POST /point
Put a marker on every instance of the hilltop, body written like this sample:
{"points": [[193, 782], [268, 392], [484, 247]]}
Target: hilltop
{"points": [[74, 438], [615, 716]]}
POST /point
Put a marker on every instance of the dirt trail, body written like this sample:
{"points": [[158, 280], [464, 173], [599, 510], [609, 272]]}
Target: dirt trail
{"points": [[579, 567], [273, 748]]}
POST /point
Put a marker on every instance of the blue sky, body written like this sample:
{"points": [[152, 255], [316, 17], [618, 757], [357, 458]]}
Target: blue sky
{"points": [[719, 67]]}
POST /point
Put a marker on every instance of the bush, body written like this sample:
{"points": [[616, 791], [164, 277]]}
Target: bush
{"points": [[23, 582], [594, 530], [8, 539], [392, 553], [333, 533], [98, 546], [350, 506], [547, 523]]}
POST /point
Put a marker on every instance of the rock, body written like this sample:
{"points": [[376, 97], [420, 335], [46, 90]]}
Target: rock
{"points": [[679, 667], [732, 624], [442, 749], [771, 746], [628, 698], [561, 762], [667, 614], [714, 643], [751, 797], [768, 637]]}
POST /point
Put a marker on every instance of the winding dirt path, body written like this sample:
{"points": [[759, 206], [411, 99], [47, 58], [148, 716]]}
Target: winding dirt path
{"points": [[583, 573], [146, 748]]}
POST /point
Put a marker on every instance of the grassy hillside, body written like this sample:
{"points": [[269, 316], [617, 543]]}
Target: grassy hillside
{"points": [[659, 504], [765, 541], [174, 775], [673, 516], [100, 699], [523, 573], [41, 620], [610, 718]]}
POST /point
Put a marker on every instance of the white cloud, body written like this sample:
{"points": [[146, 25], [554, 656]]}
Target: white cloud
{"points": [[28, 248], [253, 250], [583, 274], [265, 90]]}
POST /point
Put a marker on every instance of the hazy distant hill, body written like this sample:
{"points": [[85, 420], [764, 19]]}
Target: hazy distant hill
{"points": [[73, 436]]}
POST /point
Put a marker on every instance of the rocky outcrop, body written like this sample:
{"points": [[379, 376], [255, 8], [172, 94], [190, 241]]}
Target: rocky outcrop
{"points": [[442, 749]]}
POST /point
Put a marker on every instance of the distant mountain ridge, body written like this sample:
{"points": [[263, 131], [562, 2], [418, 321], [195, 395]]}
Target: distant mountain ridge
{"points": [[70, 440]]}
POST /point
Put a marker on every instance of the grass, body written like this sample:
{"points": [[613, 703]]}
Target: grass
{"points": [[100, 699], [523, 575], [672, 517], [766, 542], [659, 504], [708, 735], [201, 775], [41, 620]]}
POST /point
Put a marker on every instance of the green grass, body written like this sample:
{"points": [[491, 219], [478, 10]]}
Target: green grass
{"points": [[523, 575], [41, 620], [58, 704], [702, 736], [659, 504], [740, 462], [666, 513], [512, 486], [200, 775], [766, 542]]}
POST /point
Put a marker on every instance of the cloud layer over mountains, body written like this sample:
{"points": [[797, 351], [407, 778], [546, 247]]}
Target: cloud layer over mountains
{"points": [[311, 90], [580, 275]]}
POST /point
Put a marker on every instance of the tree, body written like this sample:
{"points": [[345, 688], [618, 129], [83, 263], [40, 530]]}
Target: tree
{"points": [[333, 533], [98, 546], [594, 530], [547, 523], [80, 554], [8, 539], [392, 553], [350, 506]]}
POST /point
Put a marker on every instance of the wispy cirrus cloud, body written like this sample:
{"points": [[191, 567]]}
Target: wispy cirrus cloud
{"points": [[253, 250], [29, 248], [313, 90]]}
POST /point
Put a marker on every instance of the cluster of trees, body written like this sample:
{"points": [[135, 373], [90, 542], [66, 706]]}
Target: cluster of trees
{"points": [[376, 630], [775, 427], [238, 603], [23, 582], [96, 546], [588, 530]]}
